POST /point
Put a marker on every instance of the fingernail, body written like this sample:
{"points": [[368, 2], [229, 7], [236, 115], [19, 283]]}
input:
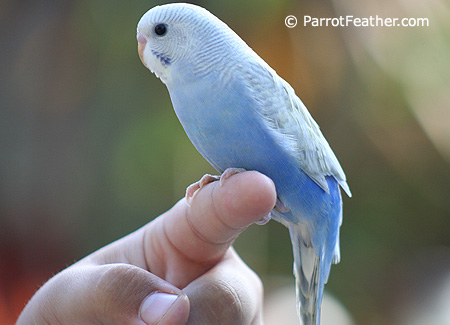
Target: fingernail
{"points": [[156, 306]]}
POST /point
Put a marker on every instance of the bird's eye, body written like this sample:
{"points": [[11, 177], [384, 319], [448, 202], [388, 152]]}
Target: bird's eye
{"points": [[160, 29]]}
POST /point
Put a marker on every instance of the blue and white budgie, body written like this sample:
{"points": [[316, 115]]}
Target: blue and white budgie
{"points": [[239, 113]]}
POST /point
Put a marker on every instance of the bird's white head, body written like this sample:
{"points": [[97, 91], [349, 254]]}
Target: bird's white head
{"points": [[180, 35]]}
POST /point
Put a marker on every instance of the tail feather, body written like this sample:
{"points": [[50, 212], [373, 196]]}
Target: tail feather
{"points": [[309, 280]]}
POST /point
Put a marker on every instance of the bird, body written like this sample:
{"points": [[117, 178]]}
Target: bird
{"points": [[241, 115]]}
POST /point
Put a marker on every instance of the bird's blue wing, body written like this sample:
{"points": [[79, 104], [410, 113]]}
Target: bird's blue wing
{"points": [[287, 116], [314, 247]]}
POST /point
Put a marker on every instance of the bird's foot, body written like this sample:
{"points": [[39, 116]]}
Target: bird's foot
{"points": [[228, 173], [191, 189], [280, 207], [264, 220], [207, 178]]}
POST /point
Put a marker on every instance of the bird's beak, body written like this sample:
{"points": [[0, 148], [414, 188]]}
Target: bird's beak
{"points": [[142, 41]]}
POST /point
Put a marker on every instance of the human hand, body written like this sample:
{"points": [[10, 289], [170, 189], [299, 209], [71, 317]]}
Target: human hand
{"points": [[136, 279]]}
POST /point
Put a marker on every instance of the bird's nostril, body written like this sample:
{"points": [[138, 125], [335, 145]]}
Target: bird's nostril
{"points": [[140, 38]]}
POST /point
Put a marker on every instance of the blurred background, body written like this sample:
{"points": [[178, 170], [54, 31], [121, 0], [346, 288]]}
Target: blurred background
{"points": [[90, 148]]}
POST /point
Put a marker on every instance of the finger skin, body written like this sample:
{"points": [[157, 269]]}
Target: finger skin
{"points": [[194, 238], [169, 253], [107, 294], [229, 293]]}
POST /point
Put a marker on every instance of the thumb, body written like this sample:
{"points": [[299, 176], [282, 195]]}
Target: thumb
{"points": [[106, 294]]}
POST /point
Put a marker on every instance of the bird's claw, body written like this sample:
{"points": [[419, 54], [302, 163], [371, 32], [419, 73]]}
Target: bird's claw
{"points": [[192, 189], [228, 173], [280, 207], [207, 178], [264, 220]]}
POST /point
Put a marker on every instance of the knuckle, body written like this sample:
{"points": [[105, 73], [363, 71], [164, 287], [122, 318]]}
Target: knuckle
{"points": [[120, 286], [227, 300], [219, 303]]}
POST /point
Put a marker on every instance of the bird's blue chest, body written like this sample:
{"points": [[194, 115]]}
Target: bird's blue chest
{"points": [[226, 128], [222, 124]]}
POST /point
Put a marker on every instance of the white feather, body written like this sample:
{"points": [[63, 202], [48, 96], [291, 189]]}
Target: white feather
{"points": [[293, 125]]}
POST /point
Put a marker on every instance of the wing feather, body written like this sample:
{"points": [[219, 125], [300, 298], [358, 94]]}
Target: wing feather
{"points": [[292, 124]]}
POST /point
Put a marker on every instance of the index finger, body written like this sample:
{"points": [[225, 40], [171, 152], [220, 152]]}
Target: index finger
{"points": [[188, 240]]}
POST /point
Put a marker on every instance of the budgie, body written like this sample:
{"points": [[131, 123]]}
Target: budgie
{"points": [[240, 114]]}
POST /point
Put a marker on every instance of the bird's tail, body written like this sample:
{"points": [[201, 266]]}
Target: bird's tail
{"points": [[309, 280]]}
